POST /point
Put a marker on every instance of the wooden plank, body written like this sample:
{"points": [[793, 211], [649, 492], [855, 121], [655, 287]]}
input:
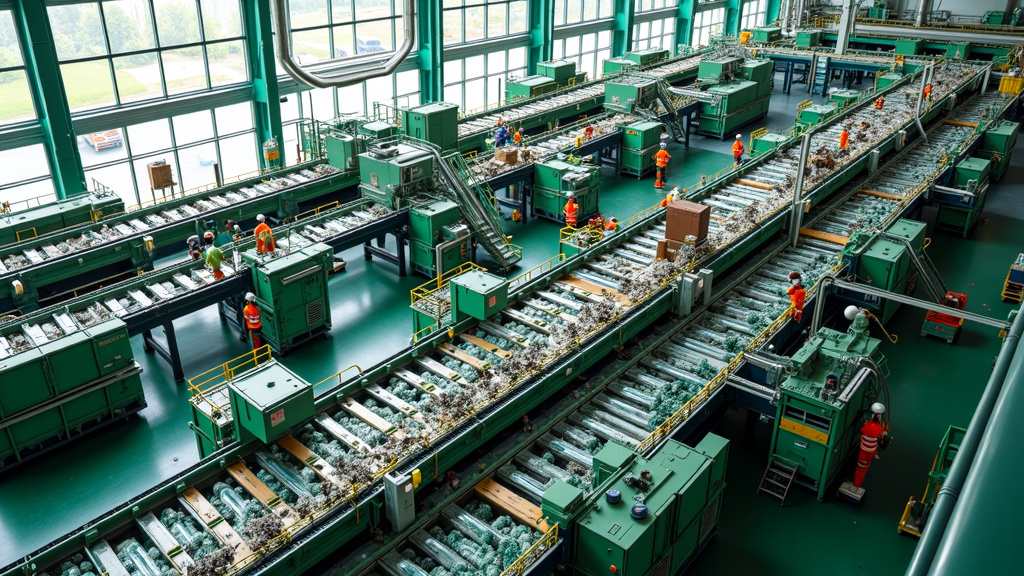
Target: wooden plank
{"points": [[879, 194], [342, 434], [519, 508], [407, 410], [363, 413], [431, 365], [160, 536], [531, 322], [253, 485], [215, 522], [963, 123], [581, 293], [591, 287], [447, 349], [752, 184], [827, 237], [413, 379], [485, 345], [104, 555], [309, 458]]}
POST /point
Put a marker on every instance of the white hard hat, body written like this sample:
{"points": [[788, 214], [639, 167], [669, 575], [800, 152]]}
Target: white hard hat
{"points": [[570, 194], [261, 217], [851, 312], [739, 136], [878, 408], [664, 145], [250, 297]]}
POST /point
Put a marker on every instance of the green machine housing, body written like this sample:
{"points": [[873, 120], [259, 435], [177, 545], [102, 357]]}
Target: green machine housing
{"points": [[343, 150], [816, 114], [767, 34], [817, 428], [437, 123], [681, 503], [767, 142], [720, 69], [477, 294], [529, 87], [432, 224], [908, 46], [885, 80], [268, 401], [640, 142], [738, 104], [885, 263], [880, 11], [648, 57], [38, 220], [554, 178], [959, 213], [808, 38], [958, 50], [291, 292], [616, 65], [54, 391], [997, 146], [624, 95], [563, 72], [391, 173], [844, 98]]}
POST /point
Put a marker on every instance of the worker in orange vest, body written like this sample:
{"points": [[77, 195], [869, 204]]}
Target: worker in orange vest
{"points": [[844, 139], [264, 237], [879, 102], [928, 92], [872, 436], [253, 324], [611, 225], [661, 158], [517, 138], [671, 197], [571, 208], [737, 149], [797, 295]]}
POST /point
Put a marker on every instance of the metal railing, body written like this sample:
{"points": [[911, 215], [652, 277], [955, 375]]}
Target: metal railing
{"points": [[525, 277], [429, 288], [337, 375], [519, 567], [224, 373]]}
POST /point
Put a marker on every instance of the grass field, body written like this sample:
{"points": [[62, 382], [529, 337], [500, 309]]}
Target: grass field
{"points": [[87, 85]]}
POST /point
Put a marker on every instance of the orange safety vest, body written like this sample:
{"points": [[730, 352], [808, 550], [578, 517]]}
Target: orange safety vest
{"points": [[264, 238], [611, 225], [252, 316], [879, 103], [797, 295], [737, 149], [844, 139], [661, 158], [927, 91], [570, 213], [869, 434]]}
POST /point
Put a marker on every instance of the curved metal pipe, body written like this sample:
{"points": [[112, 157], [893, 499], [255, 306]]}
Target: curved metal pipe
{"points": [[296, 71]]}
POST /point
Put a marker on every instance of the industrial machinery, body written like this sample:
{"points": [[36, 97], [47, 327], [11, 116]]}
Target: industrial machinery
{"points": [[396, 427], [908, 46], [20, 225], [438, 239], [891, 261], [945, 326], [550, 76], [767, 34], [1013, 287], [960, 204], [61, 377], [648, 57], [997, 146], [833, 380], [437, 123], [553, 180], [742, 90], [808, 38], [291, 293], [392, 174], [617, 65], [915, 515], [640, 142], [813, 114]]}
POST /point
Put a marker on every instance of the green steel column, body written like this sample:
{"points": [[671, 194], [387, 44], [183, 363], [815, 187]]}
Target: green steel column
{"points": [[773, 9], [684, 22], [430, 29], [732, 17], [51, 102], [266, 98], [622, 33], [542, 30]]}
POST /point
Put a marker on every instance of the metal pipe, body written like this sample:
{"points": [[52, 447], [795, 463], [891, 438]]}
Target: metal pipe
{"points": [[855, 383], [798, 189], [347, 78], [945, 500], [988, 76], [920, 97]]}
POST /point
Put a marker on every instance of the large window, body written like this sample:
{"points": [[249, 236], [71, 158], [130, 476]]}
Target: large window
{"points": [[326, 29], [122, 51], [25, 174], [654, 34], [191, 143], [469, 20], [479, 81], [588, 51], [754, 13], [573, 11], [707, 24], [648, 5], [15, 98]]}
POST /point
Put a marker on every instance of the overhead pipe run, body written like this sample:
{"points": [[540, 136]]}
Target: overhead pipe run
{"points": [[348, 76]]}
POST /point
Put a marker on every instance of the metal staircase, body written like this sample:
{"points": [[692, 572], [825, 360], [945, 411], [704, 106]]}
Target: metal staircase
{"points": [[777, 479], [675, 123], [927, 273], [821, 73], [478, 207]]}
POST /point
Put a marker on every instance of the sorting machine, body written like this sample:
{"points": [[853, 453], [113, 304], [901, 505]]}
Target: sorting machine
{"points": [[420, 412], [26, 223], [743, 90], [61, 264], [551, 76]]}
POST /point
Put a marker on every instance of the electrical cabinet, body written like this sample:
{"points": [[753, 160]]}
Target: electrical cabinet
{"points": [[427, 221], [552, 180], [269, 401], [808, 38], [640, 142], [561, 71], [437, 123], [388, 174], [477, 294], [291, 292], [908, 46]]}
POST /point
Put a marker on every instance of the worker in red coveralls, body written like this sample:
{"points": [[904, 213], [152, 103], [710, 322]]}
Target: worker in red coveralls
{"points": [[571, 208], [588, 132], [661, 158], [871, 435], [737, 149], [928, 92], [797, 295], [879, 102], [844, 139]]}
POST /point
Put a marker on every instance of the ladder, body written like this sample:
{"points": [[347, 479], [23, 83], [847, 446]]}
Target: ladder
{"points": [[777, 479], [675, 124], [926, 270], [821, 74]]}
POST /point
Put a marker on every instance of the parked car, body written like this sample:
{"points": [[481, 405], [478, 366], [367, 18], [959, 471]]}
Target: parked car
{"points": [[341, 53], [102, 140], [366, 44]]}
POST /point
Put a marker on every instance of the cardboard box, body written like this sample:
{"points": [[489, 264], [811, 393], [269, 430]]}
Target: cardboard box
{"points": [[507, 155], [662, 248], [160, 176], [685, 218]]}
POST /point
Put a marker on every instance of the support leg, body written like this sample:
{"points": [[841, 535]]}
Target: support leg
{"points": [[172, 351]]}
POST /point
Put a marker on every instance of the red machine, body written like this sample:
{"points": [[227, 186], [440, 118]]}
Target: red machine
{"points": [[945, 326]]}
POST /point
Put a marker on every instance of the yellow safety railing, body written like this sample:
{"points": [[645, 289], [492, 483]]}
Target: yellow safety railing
{"points": [[583, 237], [417, 335], [227, 371], [427, 289], [754, 136], [519, 567], [804, 105], [17, 234], [528, 275], [337, 375]]}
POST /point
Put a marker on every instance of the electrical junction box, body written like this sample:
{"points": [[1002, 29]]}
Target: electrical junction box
{"points": [[616, 65], [268, 401], [561, 71], [437, 123], [1001, 137], [647, 57], [808, 38], [427, 221], [912, 230], [908, 46], [767, 34], [343, 151], [884, 263], [477, 294], [560, 501], [399, 500], [968, 169]]}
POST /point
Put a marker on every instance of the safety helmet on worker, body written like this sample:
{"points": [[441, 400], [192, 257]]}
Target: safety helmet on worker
{"points": [[250, 297], [261, 217], [878, 408], [739, 136], [664, 145]]}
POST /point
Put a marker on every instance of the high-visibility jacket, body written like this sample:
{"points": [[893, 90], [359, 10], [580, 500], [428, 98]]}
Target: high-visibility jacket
{"points": [[844, 139], [797, 295], [264, 238], [214, 257], [611, 225], [737, 149], [869, 434], [661, 158], [252, 316], [927, 91], [571, 208], [879, 103]]}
